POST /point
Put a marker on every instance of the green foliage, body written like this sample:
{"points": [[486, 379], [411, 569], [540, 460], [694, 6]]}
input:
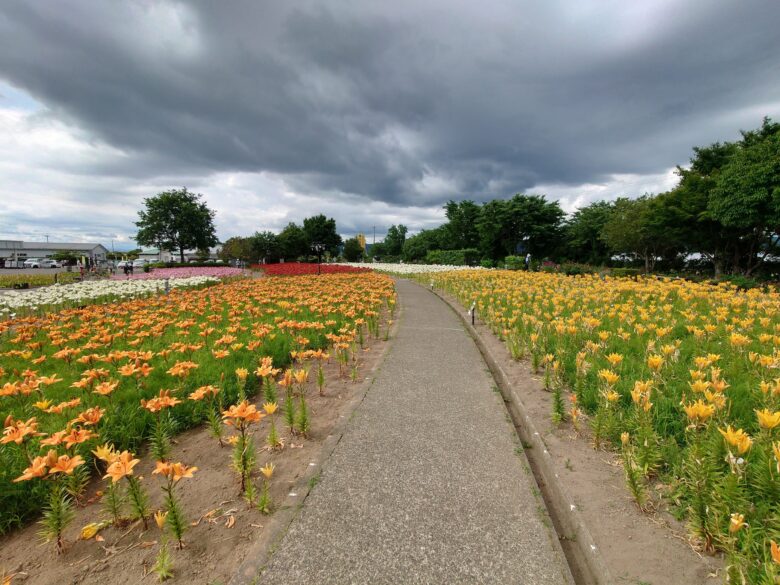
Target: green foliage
{"points": [[266, 246], [289, 411], [238, 248], [634, 478], [583, 233], [163, 565], [292, 242], [269, 390], [264, 501], [574, 269], [625, 272], [514, 262], [461, 227], [558, 405], [416, 247], [395, 239], [466, 257], [139, 500], [113, 501], [303, 421], [353, 251], [319, 229], [176, 220], [161, 438], [527, 220], [175, 519], [57, 515]]}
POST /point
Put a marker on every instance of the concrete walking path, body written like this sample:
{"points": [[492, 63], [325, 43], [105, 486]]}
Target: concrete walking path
{"points": [[426, 485]]}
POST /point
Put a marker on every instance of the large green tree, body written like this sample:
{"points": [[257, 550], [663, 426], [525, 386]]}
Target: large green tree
{"points": [[583, 233], [529, 221], [394, 240], [266, 246], [238, 248], [322, 230], [417, 246], [293, 242], [353, 251], [176, 220], [633, 230], [461, 226], [746, 195]]}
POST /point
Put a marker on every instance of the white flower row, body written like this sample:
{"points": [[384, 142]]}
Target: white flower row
{"points": [[89, 292], [409, 268]]}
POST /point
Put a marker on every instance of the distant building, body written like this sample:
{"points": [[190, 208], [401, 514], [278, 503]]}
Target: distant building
{"points": [[155, 255], [13, 253]]}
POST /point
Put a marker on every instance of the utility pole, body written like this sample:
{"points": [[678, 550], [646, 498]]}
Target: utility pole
{"points": [[47, 238]]}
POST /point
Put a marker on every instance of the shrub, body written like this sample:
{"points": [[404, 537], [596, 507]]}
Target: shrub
{"points": [[467, 256], [573, 269], [742, 282], [487, 263], [514, 262]]}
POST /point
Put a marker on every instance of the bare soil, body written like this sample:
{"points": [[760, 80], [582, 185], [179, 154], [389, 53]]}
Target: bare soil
{"points": [[223, 526], [637, 547]]}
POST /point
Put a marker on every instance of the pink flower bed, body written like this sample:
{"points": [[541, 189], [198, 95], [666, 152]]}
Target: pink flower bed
{"points": [[215, 271]]}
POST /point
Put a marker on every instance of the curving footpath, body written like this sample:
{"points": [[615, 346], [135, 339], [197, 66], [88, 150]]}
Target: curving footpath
{"points": [[427, 484]]}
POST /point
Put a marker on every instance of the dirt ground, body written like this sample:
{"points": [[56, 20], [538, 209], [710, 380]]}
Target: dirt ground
{"points": [[223, 526], [638, 548]]}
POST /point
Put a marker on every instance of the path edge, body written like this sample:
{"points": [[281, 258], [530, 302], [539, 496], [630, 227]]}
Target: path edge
{"points": [[581, 552], [261, 550]]}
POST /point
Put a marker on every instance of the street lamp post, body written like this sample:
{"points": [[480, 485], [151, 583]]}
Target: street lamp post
{"points": [[318, 249]]}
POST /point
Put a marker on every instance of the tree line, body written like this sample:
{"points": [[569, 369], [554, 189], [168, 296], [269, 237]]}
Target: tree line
{"points": [[723, 215]]}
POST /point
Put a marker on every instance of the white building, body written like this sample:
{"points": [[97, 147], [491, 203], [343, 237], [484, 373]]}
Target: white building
{"points": [[155, 255], [13, 253]]}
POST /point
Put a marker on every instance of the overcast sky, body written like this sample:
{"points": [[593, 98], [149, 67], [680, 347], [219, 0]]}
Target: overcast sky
{"points": [[374, 113]]}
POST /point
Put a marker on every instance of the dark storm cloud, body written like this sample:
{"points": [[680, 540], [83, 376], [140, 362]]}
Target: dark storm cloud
{"points": [[410, 103]]}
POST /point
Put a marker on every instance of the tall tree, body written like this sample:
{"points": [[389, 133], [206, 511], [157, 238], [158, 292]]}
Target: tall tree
{"points": [[238, 248], [632, 230], [461, 224], [583, 233], [266, 246], [495, 230], [353, 250], [527, 220], [746, 194], [417, 246], [176, 220], [322, 230], [394, 240], [293, 242], [537, 222]]}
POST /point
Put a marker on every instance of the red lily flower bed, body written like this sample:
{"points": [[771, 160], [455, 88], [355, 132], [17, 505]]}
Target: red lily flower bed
{"points": [[301, 268]]}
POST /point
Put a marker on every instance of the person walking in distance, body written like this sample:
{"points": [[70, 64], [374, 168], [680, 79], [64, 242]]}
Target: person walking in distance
{"points": [[528, 261]]}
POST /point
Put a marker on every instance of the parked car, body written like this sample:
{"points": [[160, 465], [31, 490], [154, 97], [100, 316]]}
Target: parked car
{"points": [[41, 263], [122, 263], [139, 263]]}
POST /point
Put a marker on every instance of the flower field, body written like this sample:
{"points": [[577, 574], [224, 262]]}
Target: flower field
{"points": [[681, 378], [404, 269], [302, 268], [95, 387], [193, 272], [45, 279], [93, 291]]}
